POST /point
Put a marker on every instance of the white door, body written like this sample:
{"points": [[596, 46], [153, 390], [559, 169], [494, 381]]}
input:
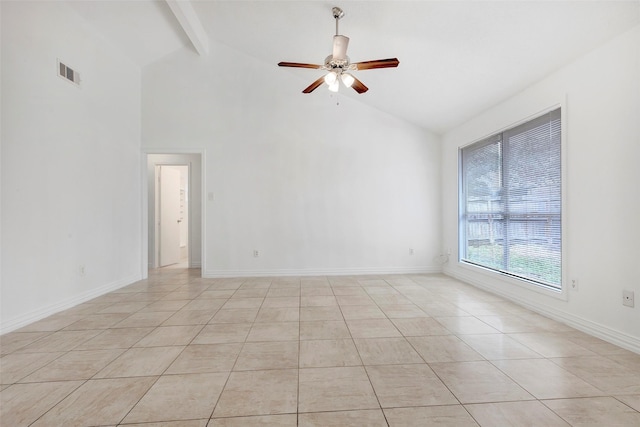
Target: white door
{"points": [[169, 182]]}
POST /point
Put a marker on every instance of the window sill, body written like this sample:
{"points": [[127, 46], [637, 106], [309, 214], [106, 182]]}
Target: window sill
{"points": [[503, 283]]}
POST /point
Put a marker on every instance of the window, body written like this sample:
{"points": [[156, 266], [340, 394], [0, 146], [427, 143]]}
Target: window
{"points": [[510, 202]]}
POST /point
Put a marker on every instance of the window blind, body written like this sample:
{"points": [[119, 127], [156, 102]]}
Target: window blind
{"points": [[511, 193]]}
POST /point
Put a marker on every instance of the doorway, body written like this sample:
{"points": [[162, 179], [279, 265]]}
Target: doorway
{"points": [[173, 197]]}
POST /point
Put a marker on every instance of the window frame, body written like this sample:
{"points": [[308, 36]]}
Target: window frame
{"points": [[504, 277]]}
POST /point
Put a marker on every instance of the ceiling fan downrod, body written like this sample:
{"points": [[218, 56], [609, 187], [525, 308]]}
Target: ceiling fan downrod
{"points": [[338, 58], [337, 14]]}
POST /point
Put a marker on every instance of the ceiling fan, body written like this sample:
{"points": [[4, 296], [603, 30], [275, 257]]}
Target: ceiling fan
{"points": [[339, 65]]}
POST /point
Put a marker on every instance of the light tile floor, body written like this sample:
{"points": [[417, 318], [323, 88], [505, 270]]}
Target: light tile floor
{"points": [[407, 350]]}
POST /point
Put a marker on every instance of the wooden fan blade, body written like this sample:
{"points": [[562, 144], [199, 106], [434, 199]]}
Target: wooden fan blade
{"points": [[313, 86], [358, 86], [378, 63], [299, 65]]}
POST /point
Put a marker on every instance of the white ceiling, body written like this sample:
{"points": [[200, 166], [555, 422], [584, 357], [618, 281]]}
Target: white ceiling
{"points": [[457, 58]]}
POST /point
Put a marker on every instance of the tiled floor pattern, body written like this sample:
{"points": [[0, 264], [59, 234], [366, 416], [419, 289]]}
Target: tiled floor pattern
{"points": [[413, 350]]}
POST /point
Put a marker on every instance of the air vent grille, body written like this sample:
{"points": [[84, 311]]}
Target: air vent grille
{"points": [[68, 73]]}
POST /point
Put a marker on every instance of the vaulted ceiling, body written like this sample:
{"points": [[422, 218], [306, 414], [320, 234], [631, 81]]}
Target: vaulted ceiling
{"points": [[457, 58]]}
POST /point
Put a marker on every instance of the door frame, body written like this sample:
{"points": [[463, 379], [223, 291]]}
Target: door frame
{"points": [[146, 216]]}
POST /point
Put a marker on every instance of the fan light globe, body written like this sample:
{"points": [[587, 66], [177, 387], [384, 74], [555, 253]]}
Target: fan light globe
{"points": [[333, 87], [330, 78], [347, 79]]}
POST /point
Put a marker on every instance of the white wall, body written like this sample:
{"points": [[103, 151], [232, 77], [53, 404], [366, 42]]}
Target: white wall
{"points": [[314, 187], [70, 164], [602, 197]]}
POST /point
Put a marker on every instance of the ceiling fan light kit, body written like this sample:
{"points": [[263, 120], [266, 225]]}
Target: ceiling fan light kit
{"points": [[338, 65]]}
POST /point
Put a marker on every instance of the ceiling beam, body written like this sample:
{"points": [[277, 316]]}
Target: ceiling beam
{"points": [[188, 19]]}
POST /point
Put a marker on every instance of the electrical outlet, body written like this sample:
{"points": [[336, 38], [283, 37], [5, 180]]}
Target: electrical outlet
{"points": [[256, 253], [574, 284], [410, 251], [81, 270], [627, 298]]}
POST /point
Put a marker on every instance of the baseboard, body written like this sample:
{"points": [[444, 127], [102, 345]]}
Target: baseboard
{"points": [[211, 274], [41, 313], [595, 329]]}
